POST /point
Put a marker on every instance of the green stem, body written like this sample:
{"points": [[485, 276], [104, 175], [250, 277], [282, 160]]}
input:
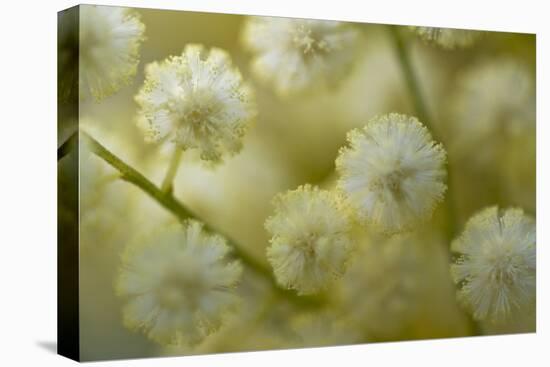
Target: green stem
{"points": [[169, 202], [421, 109], [475, 326], [167, 183], [422, 112], [410, 78], [67, 146]]}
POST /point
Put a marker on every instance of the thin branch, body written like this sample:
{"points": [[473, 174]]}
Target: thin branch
{"points": [[67, 146], [168, 182], [169, 202], [422, 111], [474, 325], [410, 78]]}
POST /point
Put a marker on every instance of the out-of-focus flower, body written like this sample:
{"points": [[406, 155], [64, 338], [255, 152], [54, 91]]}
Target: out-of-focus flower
{"points": [[494, 101], [380, 293], [110, 38], [198, 101], [178, 284], [311, 241], [298, 54], [496, 268], [256, 326], [399, 288], [492, 128], [448, 38], [392, 172]]}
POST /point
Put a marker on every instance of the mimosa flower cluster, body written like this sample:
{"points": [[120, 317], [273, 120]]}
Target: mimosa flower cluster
{"points": [[497, 263], [311, 241], [198, 101], [110, 38], [392, 172], [295, 55], [179, 284], [355, 238], [392, 177]]}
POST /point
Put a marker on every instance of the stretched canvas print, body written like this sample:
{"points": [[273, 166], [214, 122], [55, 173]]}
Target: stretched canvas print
{"points": [[234, 183]]}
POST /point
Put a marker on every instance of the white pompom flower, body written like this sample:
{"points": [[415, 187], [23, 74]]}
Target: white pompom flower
{"points": [[448, 38], [198, 101], [392, 172], [178, 284], [110, 38], [310, 243], [294, 55], [496, 270]]}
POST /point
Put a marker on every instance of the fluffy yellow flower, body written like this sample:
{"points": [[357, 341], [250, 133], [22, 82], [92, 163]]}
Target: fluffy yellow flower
{"points": [[392, 172], [298, 54], [447, 37], [310, 242], [178, 284], [198, 101], [497, 264], [110, 38]]}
